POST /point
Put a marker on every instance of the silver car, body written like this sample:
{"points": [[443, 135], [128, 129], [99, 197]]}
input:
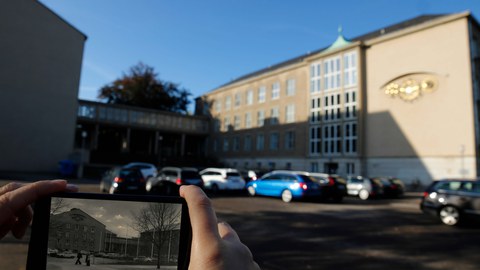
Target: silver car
{"points": [[364, 187]]}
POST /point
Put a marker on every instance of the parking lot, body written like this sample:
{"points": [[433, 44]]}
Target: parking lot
{"points": [[355, 234], [376, 234]]}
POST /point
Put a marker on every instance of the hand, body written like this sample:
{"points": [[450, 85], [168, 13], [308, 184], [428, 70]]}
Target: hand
{"points": [[215, 246], [15, 199]]}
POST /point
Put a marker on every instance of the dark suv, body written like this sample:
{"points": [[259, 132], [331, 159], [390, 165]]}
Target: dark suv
{"points": [[452, 200], [169, 180]]}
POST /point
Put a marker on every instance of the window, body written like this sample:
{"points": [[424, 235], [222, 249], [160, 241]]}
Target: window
{"points": [[238, 100], [290, 113], [350, 138], [274, 116], [332, 107], [260, 142], [331, 139], [315, 110], [218, 106], [247, 143], [290, 140], [274, 141], [315, 78], [260, 118], [225, 145], [315, 141], [236, 122], [215, 145], [226, 124], [290, 87], [331, 68], [248, 120], [228, 103], [350, 69], [236, 144], [350, 104], [350, 168], [314, 167], [217, 125], [275, 90], [261, 94], [249, 97]]}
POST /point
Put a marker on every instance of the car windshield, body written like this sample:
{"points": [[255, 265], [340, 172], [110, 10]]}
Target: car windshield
{"points": [[190, 174]]}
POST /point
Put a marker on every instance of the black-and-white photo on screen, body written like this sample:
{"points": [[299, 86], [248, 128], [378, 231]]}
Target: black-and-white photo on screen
{"points": [[112, 234]]}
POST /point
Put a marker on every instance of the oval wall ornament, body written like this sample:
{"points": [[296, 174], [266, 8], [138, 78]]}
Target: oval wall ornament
{"points": [[411, 86]]}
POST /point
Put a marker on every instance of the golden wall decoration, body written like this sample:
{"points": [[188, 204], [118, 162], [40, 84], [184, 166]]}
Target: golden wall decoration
{"points": [[411, 86]]}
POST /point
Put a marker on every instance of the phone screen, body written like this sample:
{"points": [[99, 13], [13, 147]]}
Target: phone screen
{"points": [[112, 232]]}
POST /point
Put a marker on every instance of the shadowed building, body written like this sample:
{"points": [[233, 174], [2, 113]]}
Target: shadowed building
{"points": [[41, 57], [401, 101]]}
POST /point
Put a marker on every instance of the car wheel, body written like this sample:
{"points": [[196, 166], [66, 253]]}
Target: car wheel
{"points": [[338, 199], [449, 215], [287, 196], [251, 191], [363, 194]]}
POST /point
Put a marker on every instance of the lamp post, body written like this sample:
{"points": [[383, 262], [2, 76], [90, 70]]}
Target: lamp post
{"points": [[160, 139], [82, 149], [462, 160]]}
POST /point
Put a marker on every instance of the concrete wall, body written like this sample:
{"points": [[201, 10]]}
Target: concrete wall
{"points": [[40, 64], [437, 125]]}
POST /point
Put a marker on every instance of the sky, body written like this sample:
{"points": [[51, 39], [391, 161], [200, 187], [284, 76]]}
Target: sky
{"points": [[117, 216], [202, 45]]}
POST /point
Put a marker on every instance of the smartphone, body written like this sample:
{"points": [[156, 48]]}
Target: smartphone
{"points": [[107, 231]]}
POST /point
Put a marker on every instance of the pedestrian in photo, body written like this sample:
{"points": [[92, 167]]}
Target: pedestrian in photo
{"points": [[87, 259], [79, 256]]}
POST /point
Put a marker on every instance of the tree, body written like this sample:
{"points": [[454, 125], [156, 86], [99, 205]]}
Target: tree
{"points": [[156, 221], [140, 87]]}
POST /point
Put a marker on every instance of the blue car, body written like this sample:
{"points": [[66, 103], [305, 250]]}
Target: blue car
{"points": [[287, 185]]}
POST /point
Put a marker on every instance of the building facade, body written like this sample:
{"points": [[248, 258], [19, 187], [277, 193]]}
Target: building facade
{"points": [[400, 101], [39, 79], [76, 230]]}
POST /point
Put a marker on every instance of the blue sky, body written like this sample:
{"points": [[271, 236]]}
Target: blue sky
{"points": [[204, 44]]}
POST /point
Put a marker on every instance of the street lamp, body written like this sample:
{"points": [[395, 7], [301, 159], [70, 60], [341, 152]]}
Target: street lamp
{"points": [[82, 149], [160, 139]]}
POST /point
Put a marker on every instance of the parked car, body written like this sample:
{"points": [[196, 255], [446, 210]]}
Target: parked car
{"points": [[452, 200], [251, 175], [287, 185], [392, 187], [66, 255], [216, 179], [123, 180], [169, 179], [364, 187], [148, 169], [332, 186]]}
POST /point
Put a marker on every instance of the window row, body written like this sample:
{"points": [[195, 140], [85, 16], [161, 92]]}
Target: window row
{"points": [[333, 139], [257, 142], [290, 88], [330, 107], [327, 74], [273, 119]]}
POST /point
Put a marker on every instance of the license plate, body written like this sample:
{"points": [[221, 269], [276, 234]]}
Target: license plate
{"points": [[132, 188]]}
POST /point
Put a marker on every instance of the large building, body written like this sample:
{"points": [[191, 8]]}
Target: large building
{"points": [[41, 57], [401, 101]]}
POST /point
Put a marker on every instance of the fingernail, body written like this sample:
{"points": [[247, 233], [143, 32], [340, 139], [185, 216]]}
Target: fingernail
{"points": [[71, 188]]}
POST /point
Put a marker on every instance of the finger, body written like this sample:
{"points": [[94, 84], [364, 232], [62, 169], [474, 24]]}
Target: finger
{"points": [[9, 187], [202, 215], [6, 226], [14, 201], [227, 232], [23, 220]]}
